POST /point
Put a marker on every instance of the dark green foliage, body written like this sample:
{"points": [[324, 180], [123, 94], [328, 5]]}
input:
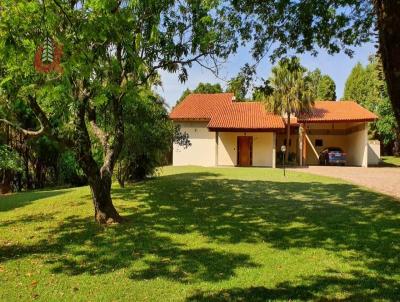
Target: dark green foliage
{"points": [[277, 28], [322, 87], [366, 86], [111, 48], [240, 84], [70, 172], [302, 26], [357, 85], [148, 139], [261, 92], [386, 126], [9, 159], [237, 86], [326, 89], [208, 88]]}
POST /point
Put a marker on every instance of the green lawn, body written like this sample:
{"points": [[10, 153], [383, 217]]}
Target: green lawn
{"points": [[391, 161], [197, 234]]}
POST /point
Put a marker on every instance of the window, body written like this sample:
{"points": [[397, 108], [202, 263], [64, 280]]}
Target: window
{"points": [[319, 143]]}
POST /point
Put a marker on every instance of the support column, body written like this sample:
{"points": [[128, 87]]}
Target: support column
{"points": [[365, 142], [304, 147], [216, 147], [301, 145], [273, 149]]}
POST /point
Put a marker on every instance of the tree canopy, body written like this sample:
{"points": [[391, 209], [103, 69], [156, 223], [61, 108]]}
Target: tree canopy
{"points": [[355, 87], [367, 87], [290, 93], [322, 86], [111, 50], [280, 27], [326, 89]]}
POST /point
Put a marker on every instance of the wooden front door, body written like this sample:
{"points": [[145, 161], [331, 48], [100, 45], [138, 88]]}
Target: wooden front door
{"points": [[244, 150]]}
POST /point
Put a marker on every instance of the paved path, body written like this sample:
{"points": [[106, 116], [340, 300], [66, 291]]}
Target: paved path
{"points": [[385, 180]]}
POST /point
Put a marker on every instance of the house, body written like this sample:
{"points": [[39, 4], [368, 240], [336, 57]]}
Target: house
{"points": [[224, 132]]}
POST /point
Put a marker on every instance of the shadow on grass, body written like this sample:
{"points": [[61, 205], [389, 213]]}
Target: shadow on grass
{"points": [[360, 287], [336, 217], [18, 200]]}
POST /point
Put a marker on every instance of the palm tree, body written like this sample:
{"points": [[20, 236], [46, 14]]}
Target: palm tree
{"points": [[290, 92]]}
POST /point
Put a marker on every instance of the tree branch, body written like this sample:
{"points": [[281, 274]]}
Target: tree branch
{"points": [[98, 132], [115, 148], [25, 132], [41, 117]]}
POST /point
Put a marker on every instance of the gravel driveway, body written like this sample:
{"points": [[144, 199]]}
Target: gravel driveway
{"points": [[385, 180]]}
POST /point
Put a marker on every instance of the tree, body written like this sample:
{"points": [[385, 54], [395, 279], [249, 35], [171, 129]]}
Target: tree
{"points": [[326, 89], [355, 87], [322, 87], [148, 139], [367, 87], [9, 162], [290, 91], [237, 86], [313, 79], [307, 26], [386, 127], [208, 88], [201, 88], [240, 84], [111, 49]]}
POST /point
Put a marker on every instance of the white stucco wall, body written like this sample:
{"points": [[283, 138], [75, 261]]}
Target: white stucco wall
{"points": [[263, 144], [374, 152], [227, 152], [357, 151], [263, 148], [203, 149]]}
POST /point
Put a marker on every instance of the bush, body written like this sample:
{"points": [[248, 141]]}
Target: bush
{"points": [[70, 172]]}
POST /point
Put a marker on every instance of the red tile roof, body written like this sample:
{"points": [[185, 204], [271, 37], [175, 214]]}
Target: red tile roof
{"points": [[245, 115], [201, 106], [340, 111], [223, 113]]}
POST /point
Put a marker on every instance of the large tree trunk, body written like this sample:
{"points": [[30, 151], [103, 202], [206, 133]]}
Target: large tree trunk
{"points": [[287, 137], [99, 182], [388, 17], [28, 179], [99, 179], [104, 210], [5, 185]]}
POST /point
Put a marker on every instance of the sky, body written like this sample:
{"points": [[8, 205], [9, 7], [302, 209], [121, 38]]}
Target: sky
{"points": [[337, 66]]}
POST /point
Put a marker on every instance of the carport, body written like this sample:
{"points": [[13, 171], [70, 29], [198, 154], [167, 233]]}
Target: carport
{"points": [[342, 124], [351, 137]]}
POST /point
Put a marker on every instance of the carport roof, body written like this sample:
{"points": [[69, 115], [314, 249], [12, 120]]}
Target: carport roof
{"points": [[340, 111]]}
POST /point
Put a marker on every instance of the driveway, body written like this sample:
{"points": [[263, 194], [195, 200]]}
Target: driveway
{"points": [[384, 179]]}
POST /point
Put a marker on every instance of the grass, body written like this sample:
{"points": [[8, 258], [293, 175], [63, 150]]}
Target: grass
{"points": [[391, 161], [204, 234]]}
